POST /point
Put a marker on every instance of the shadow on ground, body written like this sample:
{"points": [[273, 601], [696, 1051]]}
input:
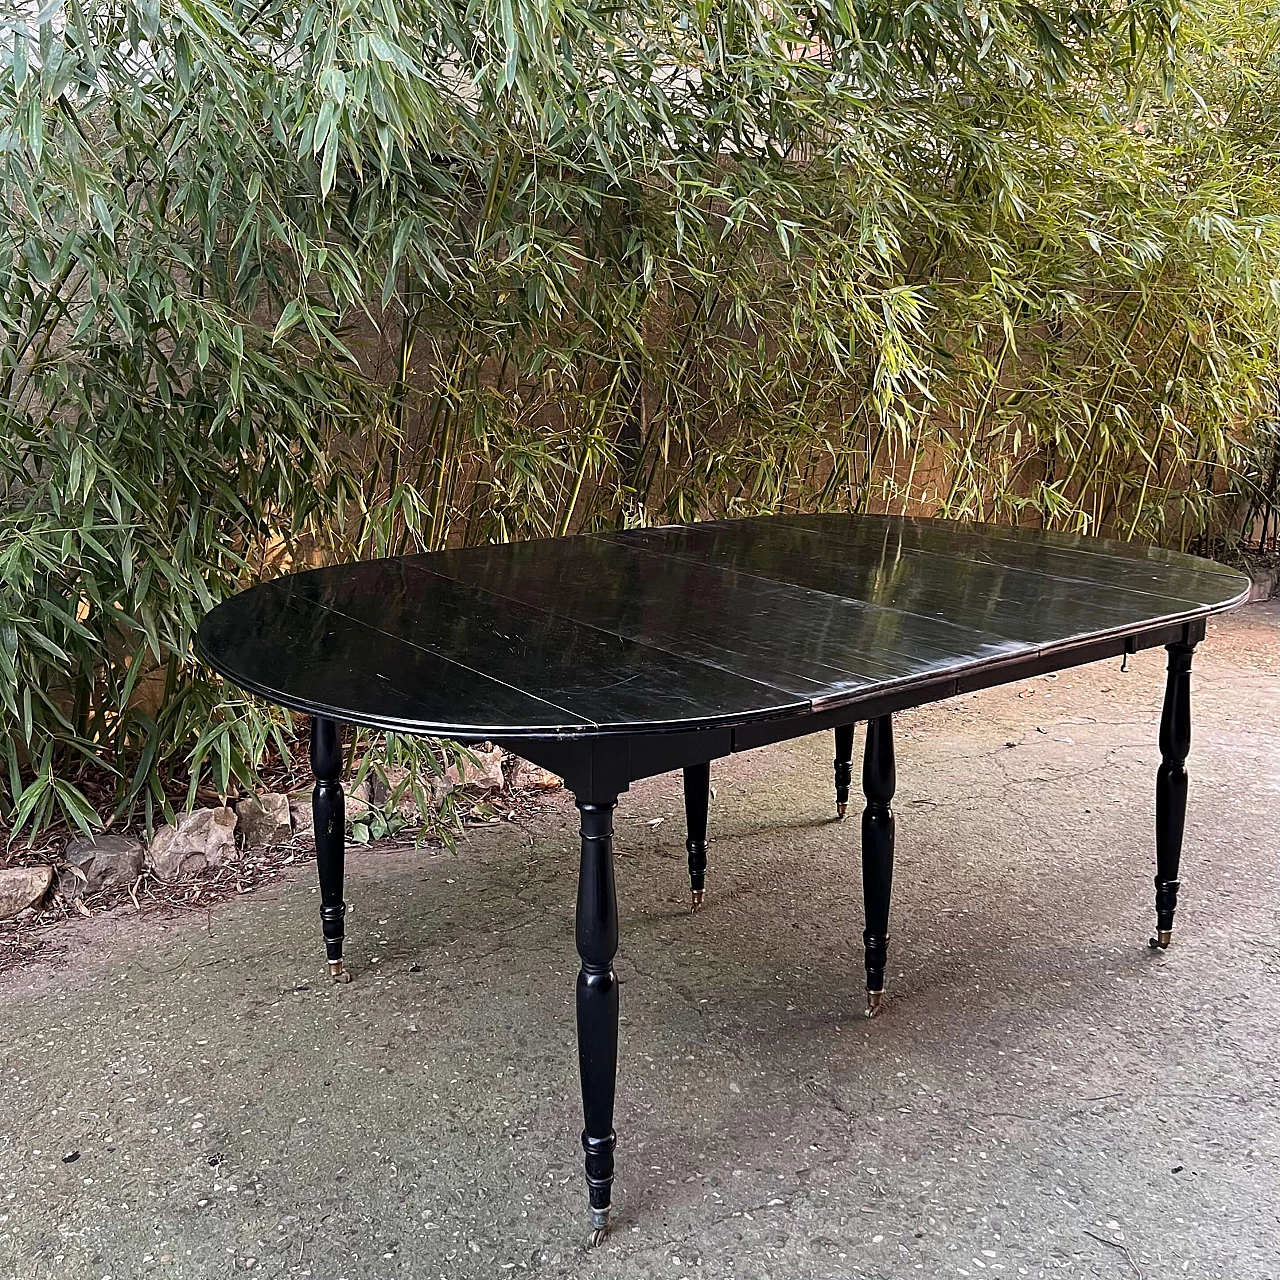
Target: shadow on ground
{"points": [[1043, 1097]]}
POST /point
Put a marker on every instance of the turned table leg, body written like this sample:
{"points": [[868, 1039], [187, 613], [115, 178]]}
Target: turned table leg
{"points": [[1171, 787], [328, 814], [844, 767], [879, 780], [697, 800], [596, 934]]}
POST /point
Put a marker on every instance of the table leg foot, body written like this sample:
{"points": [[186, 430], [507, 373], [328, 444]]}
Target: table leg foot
{"points": [[596, 934], [697, 802], [843, 767], [599, 1226], [328, 816], [1171, 788], [879, 781]]}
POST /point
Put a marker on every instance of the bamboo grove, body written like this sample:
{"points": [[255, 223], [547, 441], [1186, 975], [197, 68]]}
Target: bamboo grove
{"points": [[281, 283]]}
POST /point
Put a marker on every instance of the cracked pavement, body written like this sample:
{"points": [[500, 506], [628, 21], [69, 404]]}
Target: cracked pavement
{"points": [[1042, 1097]]}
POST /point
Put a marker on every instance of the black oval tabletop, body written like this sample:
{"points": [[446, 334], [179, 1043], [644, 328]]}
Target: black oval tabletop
{"points": [[690, 626]]}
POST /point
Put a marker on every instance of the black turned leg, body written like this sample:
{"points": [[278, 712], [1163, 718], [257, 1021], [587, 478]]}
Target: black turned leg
{"points": [[878, 782], [697, 800], [844, 767], [1171, 787], [597, 938], [328, 815]]}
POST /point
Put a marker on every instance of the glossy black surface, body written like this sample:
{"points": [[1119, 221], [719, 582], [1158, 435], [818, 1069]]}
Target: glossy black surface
{"points": [[689, 627], [843, 767], [697, 804], [879, 781], [329, 827], [1171, 787], [596, 935]]}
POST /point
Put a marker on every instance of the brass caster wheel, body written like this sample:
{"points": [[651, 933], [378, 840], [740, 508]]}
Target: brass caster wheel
{"points": [[875, 1002], [1161, 941], [338, 972], [696, 899], [841, 810], [600, 1227]]}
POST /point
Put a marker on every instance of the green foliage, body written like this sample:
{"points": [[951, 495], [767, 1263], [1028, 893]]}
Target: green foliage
{"points": [[403, 771], [281, 283]]}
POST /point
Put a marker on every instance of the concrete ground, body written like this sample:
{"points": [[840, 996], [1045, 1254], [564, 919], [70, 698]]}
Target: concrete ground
{"points": [[1043, 1097]]}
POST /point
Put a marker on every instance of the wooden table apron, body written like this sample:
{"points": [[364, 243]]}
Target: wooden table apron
{"points": [[612, 658]]}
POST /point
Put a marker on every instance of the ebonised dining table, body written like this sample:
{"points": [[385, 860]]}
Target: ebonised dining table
{"points": [[612, 657]]}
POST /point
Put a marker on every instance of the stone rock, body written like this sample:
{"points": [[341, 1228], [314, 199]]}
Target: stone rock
{"points": [[264, 820], [300, 812], [1263, 586], [203, 838], [106, 861], [527, 776], [406, 805], [356, 802], [483, 776], [22, 887]]}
